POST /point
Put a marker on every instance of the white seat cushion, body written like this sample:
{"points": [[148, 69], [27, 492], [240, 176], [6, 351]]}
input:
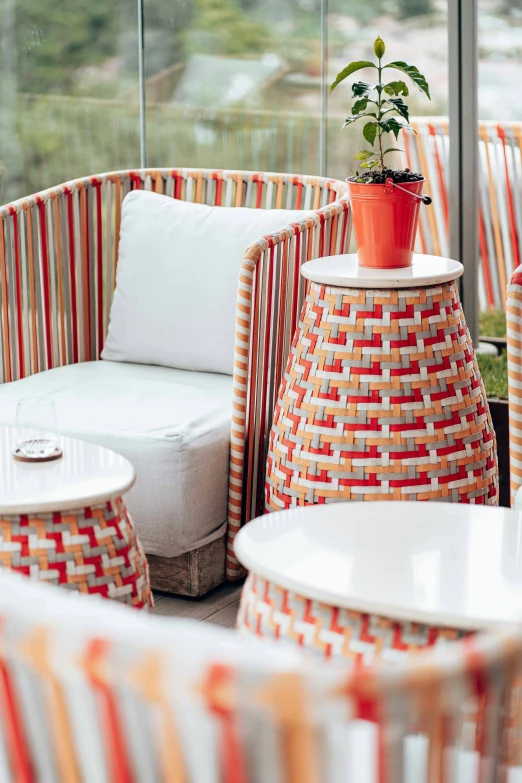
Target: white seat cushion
{"points": [[176, 285], [172, 425]]}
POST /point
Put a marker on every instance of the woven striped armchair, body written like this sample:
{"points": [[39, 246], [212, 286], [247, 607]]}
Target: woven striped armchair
{"points": [[92, 692], [58, 259]]}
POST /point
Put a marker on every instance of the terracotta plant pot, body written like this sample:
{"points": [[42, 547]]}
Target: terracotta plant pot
{"points": [[385, 221]]}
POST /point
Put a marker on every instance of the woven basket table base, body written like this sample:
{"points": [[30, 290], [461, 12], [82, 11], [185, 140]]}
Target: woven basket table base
{"points": [[94, 550], [382, 399], [269, 611]]}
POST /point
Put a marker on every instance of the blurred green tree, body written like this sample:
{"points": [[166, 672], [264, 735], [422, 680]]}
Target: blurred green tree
{"points": [[54, 39], [408, 8], [511, 5], [222, 27]]}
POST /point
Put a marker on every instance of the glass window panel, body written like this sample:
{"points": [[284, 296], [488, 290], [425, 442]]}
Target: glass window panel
{"points": [[414, 31], [69, 91], [234, 84]]}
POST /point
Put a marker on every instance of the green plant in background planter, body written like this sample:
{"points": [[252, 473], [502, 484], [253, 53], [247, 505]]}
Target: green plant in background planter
{"points": [[385, 217]]}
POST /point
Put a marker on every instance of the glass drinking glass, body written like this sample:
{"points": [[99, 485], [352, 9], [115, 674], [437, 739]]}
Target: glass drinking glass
{"points": [[36, 427]]}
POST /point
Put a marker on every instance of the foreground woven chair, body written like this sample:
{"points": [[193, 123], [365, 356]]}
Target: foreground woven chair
{"points": [[97, 693], [58, 257]]}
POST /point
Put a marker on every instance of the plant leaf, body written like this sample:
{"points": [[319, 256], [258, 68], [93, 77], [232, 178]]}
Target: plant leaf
{"points": [[361, 89], [379, 48], [349, 120], [400, 107], [396, 88], [365, 155], [370, 132], [360, 106], [371, 164], [392, 126], [351, 69], [413, 73], [392, 149]]}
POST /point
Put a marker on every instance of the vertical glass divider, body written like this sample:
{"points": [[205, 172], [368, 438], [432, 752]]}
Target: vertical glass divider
{"points": [[141, 70], [464, 151], [323, 126]]}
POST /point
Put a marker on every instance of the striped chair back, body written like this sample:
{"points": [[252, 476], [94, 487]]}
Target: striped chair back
{"points": [[93, 692], [58, 259], [500, 198]]}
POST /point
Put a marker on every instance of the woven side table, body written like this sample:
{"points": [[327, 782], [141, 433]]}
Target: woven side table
{"points": [[374, 582], [65, 522], [382, 398]]}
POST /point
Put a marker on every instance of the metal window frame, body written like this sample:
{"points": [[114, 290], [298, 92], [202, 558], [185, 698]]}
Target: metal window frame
{"points": [[141, 72], [464, 151], [323, 126]]}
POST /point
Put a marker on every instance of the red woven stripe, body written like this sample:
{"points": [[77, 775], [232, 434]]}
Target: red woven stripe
{"points": [[297, 275], [46, 282], [178, 181], [72, 272], [99, 265], [18, 749], [86, 281], [113, 733], [219, 188], [18, 289], [299, 196]]}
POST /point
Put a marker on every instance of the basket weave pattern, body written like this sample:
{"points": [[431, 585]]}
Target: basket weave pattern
{"points": [[382, 399], [270, 611], [94, 550]]}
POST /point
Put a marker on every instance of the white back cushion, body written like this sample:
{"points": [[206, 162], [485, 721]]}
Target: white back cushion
{"points": [[176, 284]]}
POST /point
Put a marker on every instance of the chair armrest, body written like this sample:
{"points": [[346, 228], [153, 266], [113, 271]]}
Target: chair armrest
{"points": [[270, 297], [58, 251], [514, 353]]}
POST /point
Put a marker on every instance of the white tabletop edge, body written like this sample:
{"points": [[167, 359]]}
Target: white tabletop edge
{"points": [[357, 604], [84, 493], [343, 271], [451, 545], [48, 507]]}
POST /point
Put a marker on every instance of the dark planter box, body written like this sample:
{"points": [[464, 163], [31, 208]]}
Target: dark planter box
{"points": [[500, 415]]}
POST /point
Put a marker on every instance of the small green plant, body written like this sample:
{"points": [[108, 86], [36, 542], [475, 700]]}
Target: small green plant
{"points": [[383, 106]]}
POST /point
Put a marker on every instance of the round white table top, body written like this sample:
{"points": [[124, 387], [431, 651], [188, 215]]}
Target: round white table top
{"points": [[344, 271], [452, 565], [85, 476]]}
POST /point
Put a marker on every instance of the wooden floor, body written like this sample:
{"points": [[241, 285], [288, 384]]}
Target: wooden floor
{"points": [[219, 606]]}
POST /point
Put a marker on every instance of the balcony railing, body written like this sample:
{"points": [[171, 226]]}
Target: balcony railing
{"points": [[60, 138]]}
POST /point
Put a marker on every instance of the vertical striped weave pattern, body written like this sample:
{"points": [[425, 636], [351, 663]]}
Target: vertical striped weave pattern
{"points": [[93, 693], [514, 353], [58, 258], [271, 612], [500, 198], [382, 399], [95, 551]]}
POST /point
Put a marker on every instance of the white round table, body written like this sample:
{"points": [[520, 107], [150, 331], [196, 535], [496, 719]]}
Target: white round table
{"points": [[344, 270], [382, 397], [65, 521], [368, 580]]}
